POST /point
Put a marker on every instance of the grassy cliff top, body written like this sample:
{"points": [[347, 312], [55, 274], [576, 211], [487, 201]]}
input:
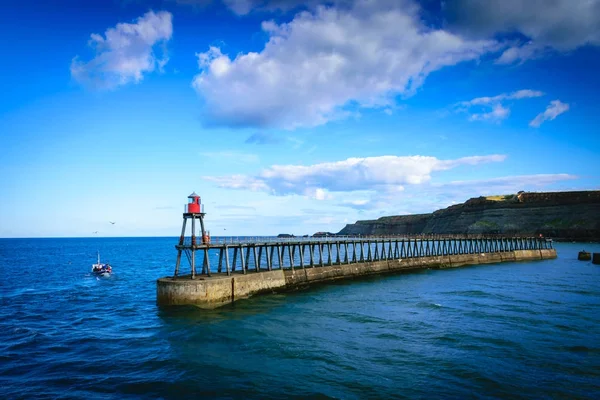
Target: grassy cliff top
{"points": [[501, 197]]}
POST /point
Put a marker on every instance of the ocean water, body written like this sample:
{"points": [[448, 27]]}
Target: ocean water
{"points": [[512, 330]]}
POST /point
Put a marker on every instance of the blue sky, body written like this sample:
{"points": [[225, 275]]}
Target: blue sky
{"points": [[287, 116]]}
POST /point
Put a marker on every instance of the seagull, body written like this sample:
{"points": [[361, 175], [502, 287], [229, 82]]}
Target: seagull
{"points": [[95, 232], [111, 222]]}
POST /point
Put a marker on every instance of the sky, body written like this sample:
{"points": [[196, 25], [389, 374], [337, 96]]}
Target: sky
{"points": [[287, 116]]}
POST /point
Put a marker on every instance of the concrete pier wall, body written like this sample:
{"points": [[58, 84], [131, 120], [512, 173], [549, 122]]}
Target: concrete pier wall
{"points": [[220, 289]]}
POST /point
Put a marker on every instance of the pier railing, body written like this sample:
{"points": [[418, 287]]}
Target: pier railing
{"points": [[217, 241], [267, 253]]}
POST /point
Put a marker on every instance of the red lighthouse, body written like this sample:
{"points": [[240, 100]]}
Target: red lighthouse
{"points": [[194, 206], [194, 210]]}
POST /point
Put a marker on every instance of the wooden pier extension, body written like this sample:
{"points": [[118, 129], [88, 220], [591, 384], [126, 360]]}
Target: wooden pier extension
{"points": [[244, 268]]}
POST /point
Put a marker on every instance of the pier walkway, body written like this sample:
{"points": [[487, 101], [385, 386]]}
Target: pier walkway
{"points": [[236, 269], [247, 254]]}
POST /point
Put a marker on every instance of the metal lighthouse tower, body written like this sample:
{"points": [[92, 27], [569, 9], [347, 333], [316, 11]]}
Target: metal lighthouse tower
{"points": [[194, 210]]}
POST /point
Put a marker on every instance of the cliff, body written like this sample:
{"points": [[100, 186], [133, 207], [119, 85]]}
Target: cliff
{"points": [[562, 215]]}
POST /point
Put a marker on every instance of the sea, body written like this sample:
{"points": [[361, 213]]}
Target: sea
{"points": [[527, 330]]}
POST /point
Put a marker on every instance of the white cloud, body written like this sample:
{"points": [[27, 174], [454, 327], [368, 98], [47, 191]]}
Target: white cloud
{"points": [[562, 25], [519, 94], [493, 109], [523, 53], [497, 114], [318, 194], [126, 52], [325, 62], [387, 173], [554, 109]]}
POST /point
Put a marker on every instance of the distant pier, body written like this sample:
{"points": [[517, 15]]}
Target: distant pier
{"points": [[245, 268]]}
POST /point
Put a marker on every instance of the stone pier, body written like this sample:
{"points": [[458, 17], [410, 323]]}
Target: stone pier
{"points": [[331, 260]]}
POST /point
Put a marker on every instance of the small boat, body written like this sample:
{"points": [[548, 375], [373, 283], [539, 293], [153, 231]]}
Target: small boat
{"points": [[100, 269]]}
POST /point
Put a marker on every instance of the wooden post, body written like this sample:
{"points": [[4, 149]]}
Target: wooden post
{"points": [[321, 254], [219, 268], [227, 260], [257, 261], [271, 262], [291, 255], [346, 258], [206, 261], [280, 256], [248, 252], [235, 254], [242, 258], [269, 256]]}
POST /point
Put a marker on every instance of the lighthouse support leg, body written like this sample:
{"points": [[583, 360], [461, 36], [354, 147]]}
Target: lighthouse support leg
{"points": [[202, 228], [193, 248], [206, 263], [181, 240]]}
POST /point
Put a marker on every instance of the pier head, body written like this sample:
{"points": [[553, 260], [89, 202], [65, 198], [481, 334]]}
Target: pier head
{"points": [[236, 269]]}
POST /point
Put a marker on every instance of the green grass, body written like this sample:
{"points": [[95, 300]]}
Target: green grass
{"points": [[500, 197]]}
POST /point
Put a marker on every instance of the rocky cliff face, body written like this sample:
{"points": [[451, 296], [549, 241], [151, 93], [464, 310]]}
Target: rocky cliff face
{"points": [[567, 215], [405, 224]]}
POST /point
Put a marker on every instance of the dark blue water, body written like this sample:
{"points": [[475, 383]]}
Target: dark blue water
{"points": [[513, 330]]}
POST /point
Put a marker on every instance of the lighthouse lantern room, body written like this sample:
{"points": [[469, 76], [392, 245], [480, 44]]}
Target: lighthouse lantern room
{"points": [[194, 206], [193, 211]]}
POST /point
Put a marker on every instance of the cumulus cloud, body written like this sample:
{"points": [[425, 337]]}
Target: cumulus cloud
{"points": [[521, 53], [562, 25], [389, 173], [497, 114], [519, 94], [495, 111], [325, 62], [554, 109], [126, 52]]}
